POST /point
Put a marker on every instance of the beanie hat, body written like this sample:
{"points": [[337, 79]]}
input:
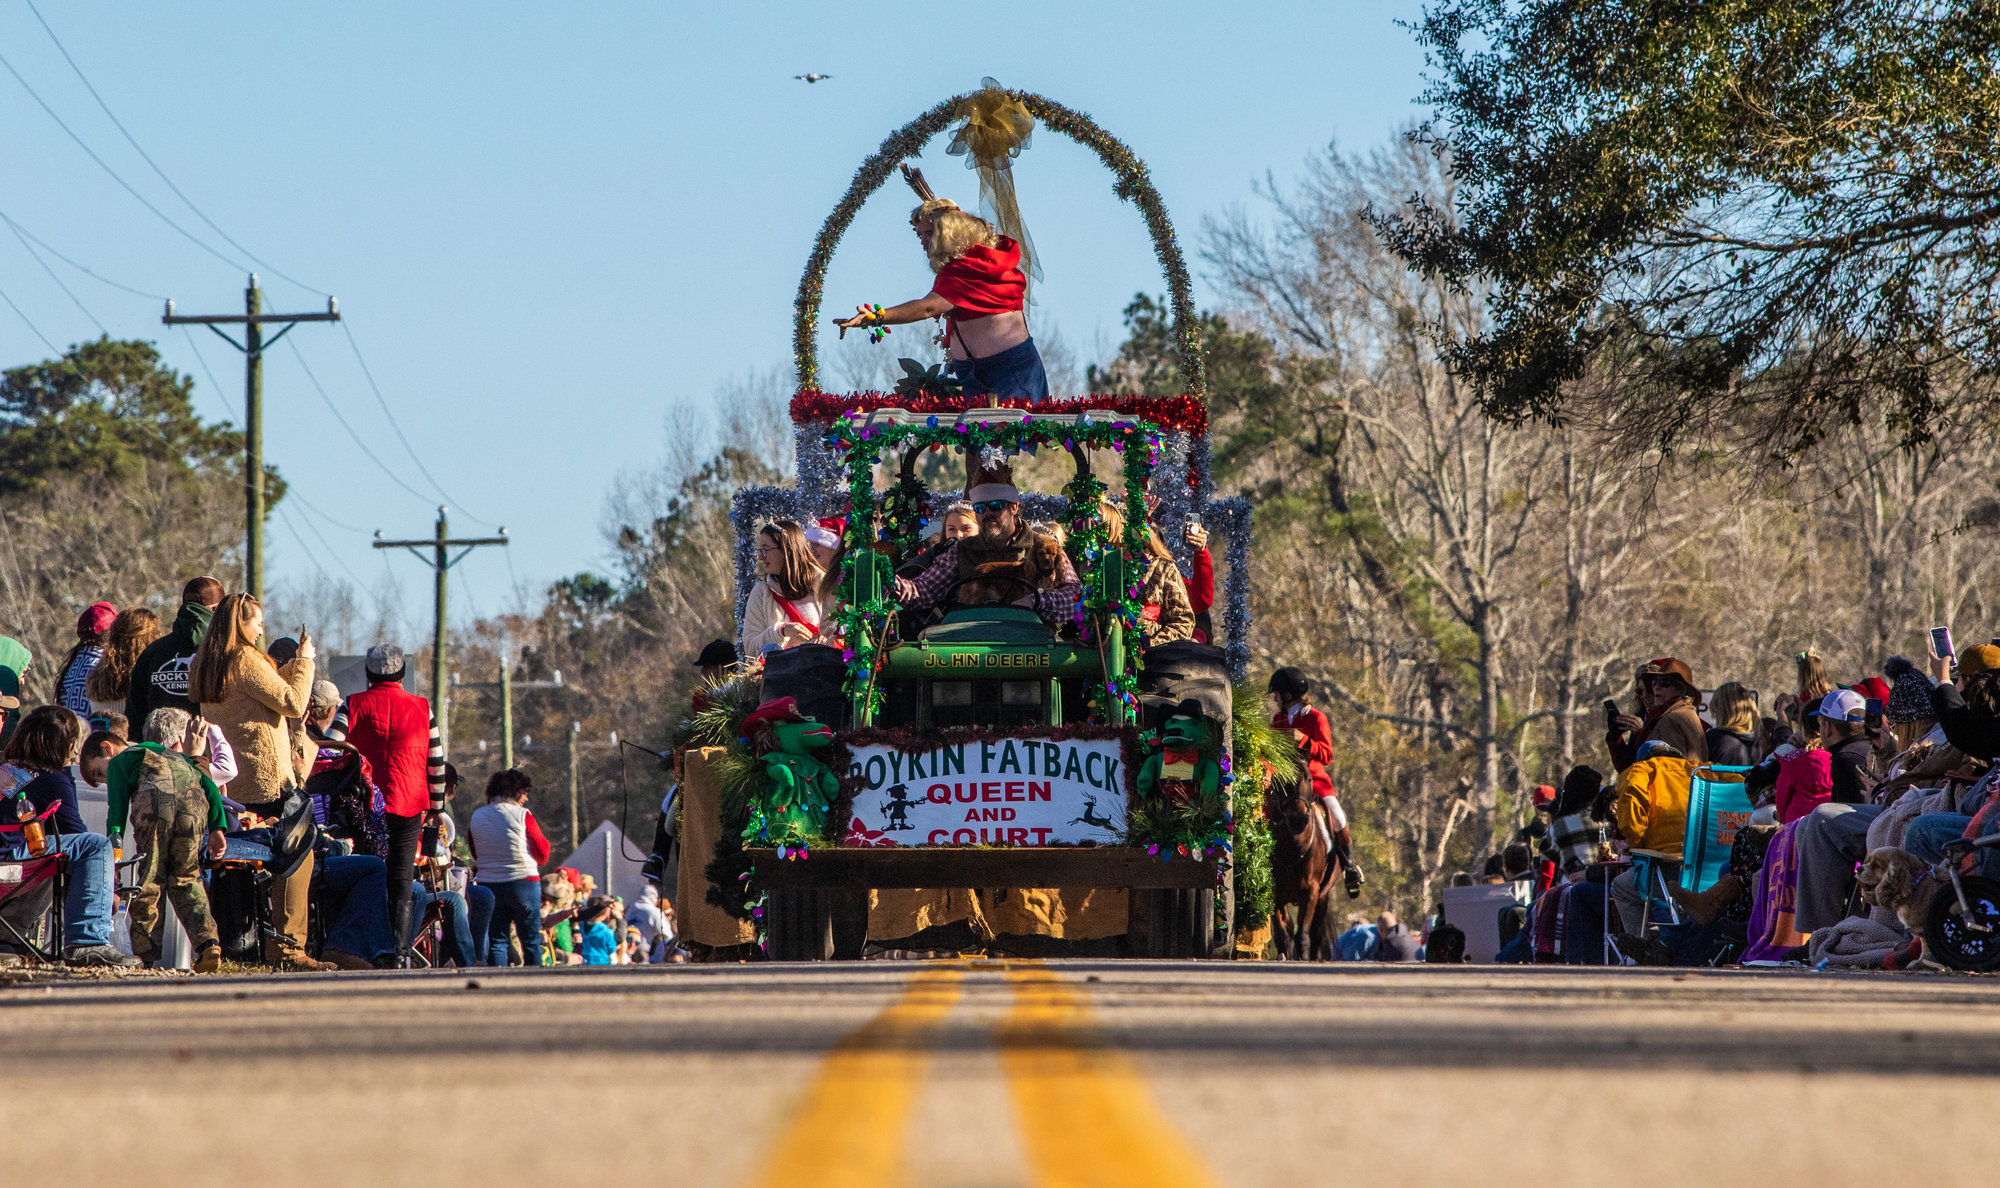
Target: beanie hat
{"points": [[95, 620], [1973, 661], [384, 660], [1909, 697], [1874, 688]]}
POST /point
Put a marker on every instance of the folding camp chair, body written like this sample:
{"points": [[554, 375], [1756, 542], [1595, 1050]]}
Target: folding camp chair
{"points": [[32, 890], [1649, 876], [1718, 808]]}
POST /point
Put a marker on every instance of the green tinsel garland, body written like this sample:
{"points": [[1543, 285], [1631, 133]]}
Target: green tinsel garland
{"points": [[905, 511], [866, 627], [1132, 184], [1254, 746]]}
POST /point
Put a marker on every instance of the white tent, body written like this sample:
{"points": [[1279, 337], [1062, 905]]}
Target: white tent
{"points": [[607, 856]]}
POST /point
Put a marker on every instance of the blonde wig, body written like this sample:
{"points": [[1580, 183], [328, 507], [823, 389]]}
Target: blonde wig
{"points": [[953, 231]]}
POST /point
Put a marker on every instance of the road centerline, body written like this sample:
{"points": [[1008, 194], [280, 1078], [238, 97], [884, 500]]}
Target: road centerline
{"points": [[1086, 1117], [849, 1129]]}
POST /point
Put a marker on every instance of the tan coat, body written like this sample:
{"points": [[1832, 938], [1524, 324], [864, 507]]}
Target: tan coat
{"points": [[257, 699]]}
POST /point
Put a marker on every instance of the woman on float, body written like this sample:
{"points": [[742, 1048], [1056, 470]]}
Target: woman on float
{"points": [[783, 610], [980, 292]]}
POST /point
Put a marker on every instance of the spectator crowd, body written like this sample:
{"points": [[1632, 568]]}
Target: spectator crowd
{"points": [[276, 820], [1823, 816]]}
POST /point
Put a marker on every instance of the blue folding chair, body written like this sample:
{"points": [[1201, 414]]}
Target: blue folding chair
{"points": [[1718, 808]]}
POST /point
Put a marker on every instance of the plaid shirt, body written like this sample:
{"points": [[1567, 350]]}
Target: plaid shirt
{"points": [[1054, 606]]}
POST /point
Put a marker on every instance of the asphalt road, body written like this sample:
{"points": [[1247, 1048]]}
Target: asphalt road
{"points": [[996, 1073]]}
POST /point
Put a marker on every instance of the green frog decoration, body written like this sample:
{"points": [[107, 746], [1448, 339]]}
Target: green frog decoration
{"points": [[1183, 769], [799, 788]]}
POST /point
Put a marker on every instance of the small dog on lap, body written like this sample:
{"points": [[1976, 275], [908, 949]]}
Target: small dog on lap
{"points": [[1901, 882]]}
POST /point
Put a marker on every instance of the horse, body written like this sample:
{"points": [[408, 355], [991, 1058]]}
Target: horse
{"points": [[1303, 872]]}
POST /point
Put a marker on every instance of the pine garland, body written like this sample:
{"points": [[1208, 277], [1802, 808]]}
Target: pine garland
{"points": [[1131, 183]]}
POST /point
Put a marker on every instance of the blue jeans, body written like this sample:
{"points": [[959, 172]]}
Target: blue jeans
{"points": [[519, 904], [458, 933], [354, 892], [1014, 372], [1926, 836], [87, 904], [478, 918]]}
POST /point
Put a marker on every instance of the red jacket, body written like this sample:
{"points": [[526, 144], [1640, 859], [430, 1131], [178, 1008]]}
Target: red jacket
{"points": [[1201, 589], [1317, 749], [392, 729]]}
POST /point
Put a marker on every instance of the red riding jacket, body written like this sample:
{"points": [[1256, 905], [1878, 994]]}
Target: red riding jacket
{"points": [[1318, 746]]}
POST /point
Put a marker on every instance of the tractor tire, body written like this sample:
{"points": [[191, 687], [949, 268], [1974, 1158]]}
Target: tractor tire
{"points": [[1171, 924], [798, 924]]}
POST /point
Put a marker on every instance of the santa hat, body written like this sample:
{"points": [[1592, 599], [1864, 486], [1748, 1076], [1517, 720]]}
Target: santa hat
{"points": [[826, 533], [992, 478]]}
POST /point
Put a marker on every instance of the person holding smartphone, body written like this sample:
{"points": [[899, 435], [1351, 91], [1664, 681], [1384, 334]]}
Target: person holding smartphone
{"points": [[252, 698]]}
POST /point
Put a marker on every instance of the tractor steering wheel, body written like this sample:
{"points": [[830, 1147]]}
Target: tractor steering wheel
{"points": [[949, 599]]}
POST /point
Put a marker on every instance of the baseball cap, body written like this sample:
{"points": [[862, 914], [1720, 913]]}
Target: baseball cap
{"points": [[324, 693], [1844, 705]]}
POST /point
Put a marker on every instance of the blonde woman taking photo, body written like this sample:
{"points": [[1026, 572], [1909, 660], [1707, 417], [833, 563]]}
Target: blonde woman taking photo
{"points": [[249, 696]]}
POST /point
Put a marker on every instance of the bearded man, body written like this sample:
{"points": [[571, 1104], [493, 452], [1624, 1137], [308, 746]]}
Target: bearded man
{"points": [[1004, 547]]}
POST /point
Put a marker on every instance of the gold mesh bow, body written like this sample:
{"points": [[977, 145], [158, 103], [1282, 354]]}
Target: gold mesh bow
{"points": [[996, 128]]}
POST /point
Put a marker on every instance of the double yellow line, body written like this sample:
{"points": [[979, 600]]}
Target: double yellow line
{"points": [[1085, 1115]]}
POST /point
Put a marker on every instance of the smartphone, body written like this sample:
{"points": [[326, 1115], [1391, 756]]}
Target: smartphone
{"points": [[1611, 714], [1874, 713], [1941, 641]]}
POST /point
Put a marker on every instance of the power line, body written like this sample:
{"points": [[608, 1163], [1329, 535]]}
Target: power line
{"points": [[310, 506], [330, 551], [92, 154], [31, 325], [203, 360], [379, 399], [147, 157], [303, 546], [359, 444], [59, 284], [20, 230]]}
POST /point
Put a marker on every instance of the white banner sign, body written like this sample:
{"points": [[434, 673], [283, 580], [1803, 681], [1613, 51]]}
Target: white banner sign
{"points": [[1012, 792]]}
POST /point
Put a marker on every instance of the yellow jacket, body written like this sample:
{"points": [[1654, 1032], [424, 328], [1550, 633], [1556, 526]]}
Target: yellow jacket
{"points": [[1652, 804]]}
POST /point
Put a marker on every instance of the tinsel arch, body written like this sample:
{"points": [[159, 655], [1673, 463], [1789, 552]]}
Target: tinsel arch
{"points": [[1131, 184]]}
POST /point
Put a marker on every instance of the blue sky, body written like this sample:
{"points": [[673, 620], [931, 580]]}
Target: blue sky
{"points": [[557, 230]]}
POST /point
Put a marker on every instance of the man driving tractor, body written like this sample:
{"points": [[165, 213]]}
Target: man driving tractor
{"points": [[1005, 556]]}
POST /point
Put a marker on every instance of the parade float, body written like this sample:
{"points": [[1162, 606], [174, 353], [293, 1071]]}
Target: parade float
{"points": [[982, 746]]}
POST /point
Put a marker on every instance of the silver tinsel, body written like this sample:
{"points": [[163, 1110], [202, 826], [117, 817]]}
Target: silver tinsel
{"points": [[1231, 516], [1170, 476], [750, 509], [822, 474]]}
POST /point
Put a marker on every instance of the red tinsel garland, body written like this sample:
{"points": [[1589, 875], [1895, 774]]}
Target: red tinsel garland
{"points": [[1184, 413], [911, 740]]}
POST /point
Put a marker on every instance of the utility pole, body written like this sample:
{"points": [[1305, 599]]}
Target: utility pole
{"points": [[252, 319], [506, 685], [573, 747], [440, 560]]}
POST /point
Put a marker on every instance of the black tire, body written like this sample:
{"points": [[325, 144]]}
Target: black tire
{"points": [[1171, 924], [1948, 939], [798, 925]]}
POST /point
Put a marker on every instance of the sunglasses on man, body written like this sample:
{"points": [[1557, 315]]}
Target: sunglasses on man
{"points": [[983, 506]]}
